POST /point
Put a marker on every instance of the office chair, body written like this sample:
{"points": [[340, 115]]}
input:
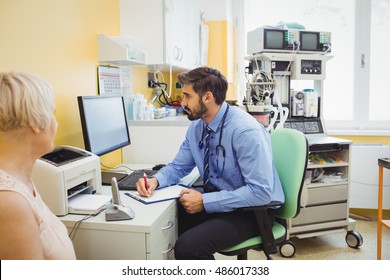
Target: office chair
{"points": [[290, 151]]}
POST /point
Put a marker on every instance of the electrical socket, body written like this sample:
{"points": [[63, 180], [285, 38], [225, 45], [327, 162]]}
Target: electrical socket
{"points": [[151, 80]]}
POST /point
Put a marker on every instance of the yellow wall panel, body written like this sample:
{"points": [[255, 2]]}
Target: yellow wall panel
{"points": [[218, 40], [58, 41], [384, 140], [222, 52]]}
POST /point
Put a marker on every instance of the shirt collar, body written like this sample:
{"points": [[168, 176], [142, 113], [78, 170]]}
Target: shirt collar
{"points": [[218, 118]]}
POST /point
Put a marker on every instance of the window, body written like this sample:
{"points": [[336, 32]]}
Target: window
{"points": [[379, 97], [355, 95]]}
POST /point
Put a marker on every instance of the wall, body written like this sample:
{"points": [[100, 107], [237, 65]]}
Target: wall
{"points": [[221, 52], [58, 41], [384, 140]]}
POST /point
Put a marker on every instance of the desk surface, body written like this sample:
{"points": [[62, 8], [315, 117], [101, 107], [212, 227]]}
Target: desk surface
{"points": [[385, 162], [146, 216]]}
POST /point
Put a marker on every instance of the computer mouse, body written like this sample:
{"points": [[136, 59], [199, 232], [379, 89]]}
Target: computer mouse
{"points": [[158, 166]]}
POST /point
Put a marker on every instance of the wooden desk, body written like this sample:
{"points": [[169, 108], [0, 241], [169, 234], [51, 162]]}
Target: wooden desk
{"points": [[382, 163]]}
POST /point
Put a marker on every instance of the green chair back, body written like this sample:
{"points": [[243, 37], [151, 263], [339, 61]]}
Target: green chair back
{"points": [[290, 151]]}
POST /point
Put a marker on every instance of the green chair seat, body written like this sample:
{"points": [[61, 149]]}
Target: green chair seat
{"points": [[278, 231]]}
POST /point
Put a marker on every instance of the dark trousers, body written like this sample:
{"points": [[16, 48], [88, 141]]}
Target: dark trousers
{"points": [[202, 234]]}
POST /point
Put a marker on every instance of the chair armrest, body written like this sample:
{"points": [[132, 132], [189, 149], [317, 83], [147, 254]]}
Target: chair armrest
{"points": [[264, 225], [262, 207]]}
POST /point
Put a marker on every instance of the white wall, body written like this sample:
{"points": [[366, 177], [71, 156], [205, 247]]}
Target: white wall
{"points": [[216, 9], [364, 176]]}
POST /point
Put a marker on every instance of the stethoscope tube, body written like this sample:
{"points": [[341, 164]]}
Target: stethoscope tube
{"points": [[219, 148]]}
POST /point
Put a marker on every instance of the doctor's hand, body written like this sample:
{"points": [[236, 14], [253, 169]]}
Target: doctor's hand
{"points": [[146, 190], [191, 200]]}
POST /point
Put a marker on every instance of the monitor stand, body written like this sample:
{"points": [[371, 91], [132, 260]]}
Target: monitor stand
{"points": [[107, 176]]}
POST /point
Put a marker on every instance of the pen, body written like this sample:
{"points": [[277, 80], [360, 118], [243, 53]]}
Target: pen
{"points": [[146, 182]]}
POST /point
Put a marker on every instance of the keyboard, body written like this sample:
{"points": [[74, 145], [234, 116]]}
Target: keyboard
{"points": [[128, 182]]}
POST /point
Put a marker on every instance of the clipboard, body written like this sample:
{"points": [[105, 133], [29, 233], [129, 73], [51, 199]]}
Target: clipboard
{"points": [[159, 195]]}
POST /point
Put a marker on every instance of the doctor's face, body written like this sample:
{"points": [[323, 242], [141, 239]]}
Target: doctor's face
{"points": [[192, 103]]}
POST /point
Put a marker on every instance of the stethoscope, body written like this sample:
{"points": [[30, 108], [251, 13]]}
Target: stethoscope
{"points": [[219, 149]]}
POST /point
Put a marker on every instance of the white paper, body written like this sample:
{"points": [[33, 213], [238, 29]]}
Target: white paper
{"points": [[87, 203], [163, 194]]}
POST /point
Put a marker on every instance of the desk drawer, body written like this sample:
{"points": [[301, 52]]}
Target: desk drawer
{"points": [[93, 244], [160, 242]]}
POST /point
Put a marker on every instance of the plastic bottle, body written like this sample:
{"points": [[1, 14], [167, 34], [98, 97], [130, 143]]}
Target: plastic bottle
{"points": [[137, 106], [129, 106]]}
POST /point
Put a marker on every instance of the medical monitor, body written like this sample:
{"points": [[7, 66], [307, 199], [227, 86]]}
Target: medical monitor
{"points": [[104, 123], [265, 39], [310, 41], [274, 39], [315, 41]]}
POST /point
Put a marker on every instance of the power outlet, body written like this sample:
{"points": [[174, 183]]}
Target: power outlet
{"points": [[151, 80]]}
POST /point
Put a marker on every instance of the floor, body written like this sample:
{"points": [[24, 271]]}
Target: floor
{"points": [[333, 246]]}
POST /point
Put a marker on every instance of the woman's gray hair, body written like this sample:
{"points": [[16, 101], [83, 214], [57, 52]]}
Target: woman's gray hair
{"points": [[25, 100]]}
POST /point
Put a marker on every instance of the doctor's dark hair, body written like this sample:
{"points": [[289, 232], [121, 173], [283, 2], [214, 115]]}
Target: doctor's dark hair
{"points": [[204, 79], [25, 100]]}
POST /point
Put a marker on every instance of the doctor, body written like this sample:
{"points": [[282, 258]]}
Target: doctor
{"points": [[29, 230], [233, 154]]}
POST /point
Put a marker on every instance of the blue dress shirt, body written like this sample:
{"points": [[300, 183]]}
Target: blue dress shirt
{"points": [[249, 177]]}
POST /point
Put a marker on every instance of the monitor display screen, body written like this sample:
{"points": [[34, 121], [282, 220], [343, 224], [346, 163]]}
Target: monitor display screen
{"points": [[274, 39], [104, 123], [309, 41]]}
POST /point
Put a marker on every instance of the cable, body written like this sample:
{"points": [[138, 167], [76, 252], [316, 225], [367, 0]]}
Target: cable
{"points": [[284, 111], [77, 224], [163, 98], [108, 168]]}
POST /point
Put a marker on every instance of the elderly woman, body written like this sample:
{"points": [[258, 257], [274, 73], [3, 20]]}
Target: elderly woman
{"points": [[29, 230]]}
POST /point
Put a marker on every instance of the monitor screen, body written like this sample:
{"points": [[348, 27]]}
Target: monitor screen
{"points": [[274, 39], [309, 41], [104, 123]]}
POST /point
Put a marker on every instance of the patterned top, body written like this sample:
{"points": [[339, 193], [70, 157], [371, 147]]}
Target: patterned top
{"points": [[53, 233]]}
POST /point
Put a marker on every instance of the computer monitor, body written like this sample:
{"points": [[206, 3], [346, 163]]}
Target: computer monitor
{"points": [[104, 123]]}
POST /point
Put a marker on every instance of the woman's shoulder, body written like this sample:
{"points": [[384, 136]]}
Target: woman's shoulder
{"points": [[14, 205]]}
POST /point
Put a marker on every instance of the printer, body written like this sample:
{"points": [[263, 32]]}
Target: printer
{"points": [[64, 173]]}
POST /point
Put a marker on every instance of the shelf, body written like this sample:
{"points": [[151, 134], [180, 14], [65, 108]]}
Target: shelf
{"points": [[112, 50], [320, 185], [326, 165]]}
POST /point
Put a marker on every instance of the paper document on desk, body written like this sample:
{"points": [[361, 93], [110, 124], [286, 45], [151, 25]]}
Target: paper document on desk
{"points": [[159, 195], [87, 204]]}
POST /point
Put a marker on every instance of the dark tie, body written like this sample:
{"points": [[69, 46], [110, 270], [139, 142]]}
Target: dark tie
{"points": [[206, 170]]}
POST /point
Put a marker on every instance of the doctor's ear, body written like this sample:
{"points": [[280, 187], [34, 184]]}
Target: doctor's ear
{"points": [[208, 96]]}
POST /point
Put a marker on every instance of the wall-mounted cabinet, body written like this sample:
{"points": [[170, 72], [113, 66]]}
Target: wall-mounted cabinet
{"points": [[118, 50], [168, 31]]}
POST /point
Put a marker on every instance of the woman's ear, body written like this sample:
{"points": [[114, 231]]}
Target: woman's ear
{"points": [[35, 129]]}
